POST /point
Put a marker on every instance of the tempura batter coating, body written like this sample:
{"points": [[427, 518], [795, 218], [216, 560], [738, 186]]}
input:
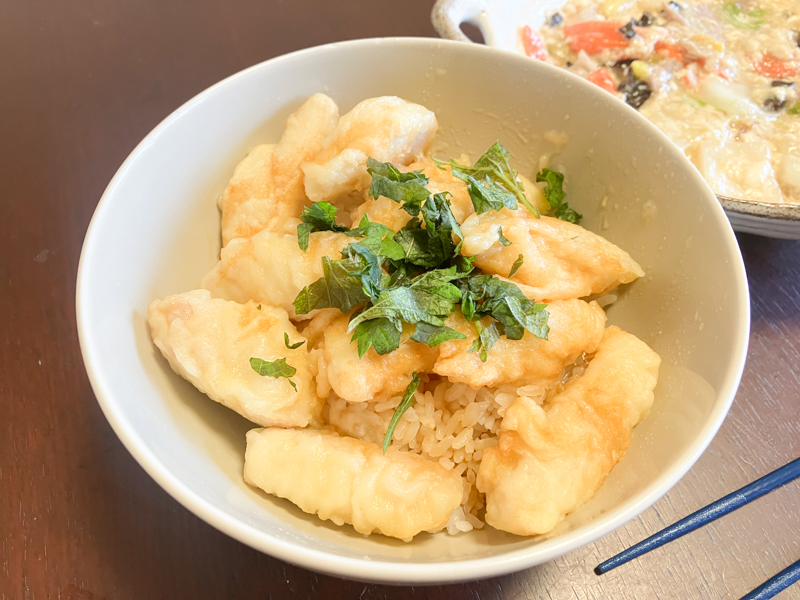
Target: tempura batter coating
{"points": [[372, 376], [269, 182], [346, 480], [550, 460], [210, 341], [387, 129], [575, 327], [560, 260], [271, 268]]}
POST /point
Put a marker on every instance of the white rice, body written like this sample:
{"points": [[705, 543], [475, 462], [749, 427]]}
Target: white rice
{"points": [[449, 423]]}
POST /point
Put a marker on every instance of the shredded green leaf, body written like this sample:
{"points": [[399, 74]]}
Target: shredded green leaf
{"points": [[337, 288], [291, 346], [277, 368], [320, 216], [433, 335], [515, 267], [504, 241], [405, 404], [417, 276], [487, 336], [491, 182], [794, 111], [406, 188], [554, 192], [733, 15]]}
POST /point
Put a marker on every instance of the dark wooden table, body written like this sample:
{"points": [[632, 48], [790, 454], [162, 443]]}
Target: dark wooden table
{"points": [[81, 83]]}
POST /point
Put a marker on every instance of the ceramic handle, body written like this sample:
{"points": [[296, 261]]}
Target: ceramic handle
{"points": [[448, 15]]}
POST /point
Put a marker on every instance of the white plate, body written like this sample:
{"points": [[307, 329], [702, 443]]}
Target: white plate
{"points": [[499, 22], [156, 232]]}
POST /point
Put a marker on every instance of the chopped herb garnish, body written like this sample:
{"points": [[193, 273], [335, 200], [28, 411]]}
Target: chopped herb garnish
{"points": [[515, 267], [491, 182], [405, 404], [417, 276], [794, 111], [338, 288], [504, 241], [487, 336], [277, 368], [406, 188], [291, 346], [258, 307], [320, 216], [433, 335], [554, 192]]}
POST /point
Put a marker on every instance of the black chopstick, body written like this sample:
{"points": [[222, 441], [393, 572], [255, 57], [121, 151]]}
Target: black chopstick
{"points": [[713, 511], [777, 584]]}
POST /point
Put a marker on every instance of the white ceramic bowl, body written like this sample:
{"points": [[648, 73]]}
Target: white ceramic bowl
{"points": [[156, 232], [499, 22]]}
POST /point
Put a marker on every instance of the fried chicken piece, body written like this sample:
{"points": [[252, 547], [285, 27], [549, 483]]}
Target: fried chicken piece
{"points": [[387, 129], [551, 459], [271, 268], [346, 480], [560, 260], [372, 376], [575, 327], [210, 341], [269, 182]]}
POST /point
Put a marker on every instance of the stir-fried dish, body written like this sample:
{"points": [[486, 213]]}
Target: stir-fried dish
{"points": [[415, 338], [719, 77]]}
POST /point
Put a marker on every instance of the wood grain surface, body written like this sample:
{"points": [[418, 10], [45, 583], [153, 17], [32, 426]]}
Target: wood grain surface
{"points": [[82, 82]]}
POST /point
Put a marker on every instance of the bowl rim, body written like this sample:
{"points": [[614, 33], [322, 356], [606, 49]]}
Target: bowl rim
{"points": [[444, 17], [380, 570]]}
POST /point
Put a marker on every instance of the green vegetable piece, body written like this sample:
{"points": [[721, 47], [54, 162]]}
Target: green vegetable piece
{"points": [[504, 241], [382, 334], [291, 346], [320, 216], [428, 298], [491, 181], [554, 192], [794, 111], [405, 404], [515, 267], [277, 368], [567, 213], [258, 307], [733, 15], [337, 288], [433, 336], [487, 336], [405, 188]]}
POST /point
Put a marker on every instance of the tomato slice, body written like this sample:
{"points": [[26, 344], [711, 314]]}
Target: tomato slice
{"points": [[775, 67], [533, 44], [594, 36], [602, 78]]}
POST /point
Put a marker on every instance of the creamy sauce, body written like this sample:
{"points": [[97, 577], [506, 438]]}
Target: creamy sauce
{"points": [[718, 77]]}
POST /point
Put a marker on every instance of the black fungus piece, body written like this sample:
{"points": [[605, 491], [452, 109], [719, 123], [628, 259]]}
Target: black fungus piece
{"points": [[623, 67], [627, 30], [647, 20], [555, 19], [781, 83], [635, 93], [774, 104], [569, 64]]}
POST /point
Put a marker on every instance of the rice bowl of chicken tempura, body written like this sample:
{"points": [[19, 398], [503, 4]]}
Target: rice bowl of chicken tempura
{"points": [[379, 330]]}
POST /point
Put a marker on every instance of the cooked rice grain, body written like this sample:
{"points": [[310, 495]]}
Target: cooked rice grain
{"points": [[449, 423]]}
